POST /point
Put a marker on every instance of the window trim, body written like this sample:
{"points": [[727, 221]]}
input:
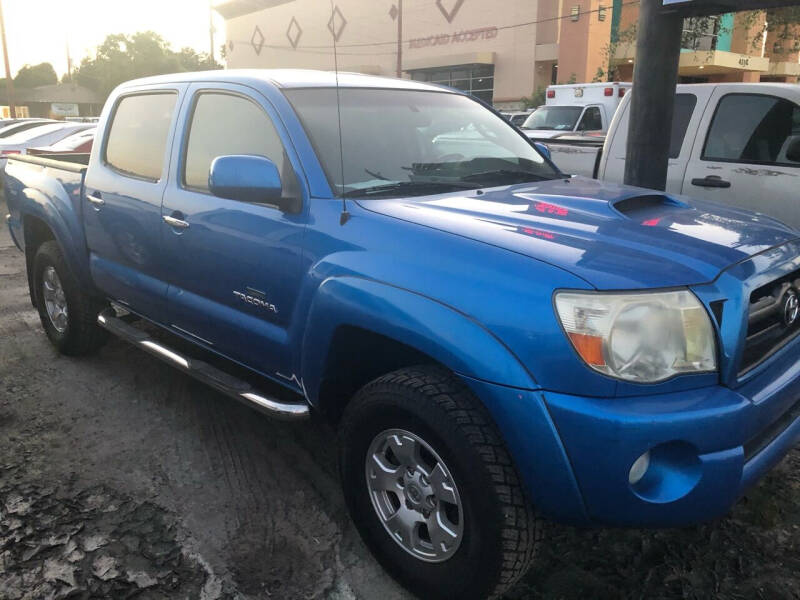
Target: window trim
{"points": [[739, 161], [181, 175], [109, 128]]}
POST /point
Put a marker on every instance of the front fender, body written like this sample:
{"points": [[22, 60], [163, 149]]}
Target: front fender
{"points": [[446, 335]]}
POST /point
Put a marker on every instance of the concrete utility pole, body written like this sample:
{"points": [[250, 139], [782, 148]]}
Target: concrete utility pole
{"points": [[9, 82], [211, 28], [655, 75], [399, 38]]}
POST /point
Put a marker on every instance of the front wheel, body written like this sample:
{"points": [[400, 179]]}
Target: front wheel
{"points": [[432, 489]]}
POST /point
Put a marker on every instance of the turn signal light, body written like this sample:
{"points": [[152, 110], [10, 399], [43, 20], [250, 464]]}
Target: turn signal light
{"points": [[589, 347], [609, 91], [622, 92], [551, 93]]}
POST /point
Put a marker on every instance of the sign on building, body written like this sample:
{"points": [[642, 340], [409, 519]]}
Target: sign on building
{"points": [[64, 109]]}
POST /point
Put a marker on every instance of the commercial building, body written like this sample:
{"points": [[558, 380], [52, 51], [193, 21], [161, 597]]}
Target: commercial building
{"points": [[500, 52], [54, 101]]}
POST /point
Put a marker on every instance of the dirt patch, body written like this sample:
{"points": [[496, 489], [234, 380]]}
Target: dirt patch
{"points": [[95, 543], [120, 477]]}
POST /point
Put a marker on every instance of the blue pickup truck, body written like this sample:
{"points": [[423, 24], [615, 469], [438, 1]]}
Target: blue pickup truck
{"points": [[496, 343]]}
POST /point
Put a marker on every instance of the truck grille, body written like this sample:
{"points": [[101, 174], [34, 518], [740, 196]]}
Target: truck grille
{"points": [[774, 320]]}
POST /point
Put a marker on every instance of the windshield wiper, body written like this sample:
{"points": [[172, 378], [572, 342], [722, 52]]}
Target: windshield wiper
{"points": [[404, 186], [507, 173]]}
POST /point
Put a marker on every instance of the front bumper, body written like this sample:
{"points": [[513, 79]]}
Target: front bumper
{"points": [[707, 446]]}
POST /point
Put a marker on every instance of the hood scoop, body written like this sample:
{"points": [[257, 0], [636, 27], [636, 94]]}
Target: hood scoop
{"points": [[636, 207]]}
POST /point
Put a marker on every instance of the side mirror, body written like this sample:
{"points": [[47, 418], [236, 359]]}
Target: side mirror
{"points": [[793, 151], [246, 178], [543, 150]]}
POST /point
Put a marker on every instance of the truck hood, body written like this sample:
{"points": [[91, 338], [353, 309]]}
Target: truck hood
{"points": [[612, 236], [543, 134]]}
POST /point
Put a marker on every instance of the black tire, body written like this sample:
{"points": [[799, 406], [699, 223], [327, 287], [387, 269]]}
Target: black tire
{"points": [[82, 335], [501, 528]]}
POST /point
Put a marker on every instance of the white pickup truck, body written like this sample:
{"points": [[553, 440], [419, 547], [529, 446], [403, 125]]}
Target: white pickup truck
{"points": [[734, 143]]}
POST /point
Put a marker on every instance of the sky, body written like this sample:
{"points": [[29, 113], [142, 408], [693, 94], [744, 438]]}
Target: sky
{"points": [[39, 30]]}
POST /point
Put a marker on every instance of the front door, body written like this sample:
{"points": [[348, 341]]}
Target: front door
{"points": [[743, 160], [234, 267], [124, 186]]}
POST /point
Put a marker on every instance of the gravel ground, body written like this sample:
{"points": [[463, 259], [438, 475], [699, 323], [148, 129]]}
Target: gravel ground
{"points": [[120, 477]]}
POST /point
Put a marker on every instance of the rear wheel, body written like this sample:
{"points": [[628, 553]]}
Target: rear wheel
{"points": [[432, 489], [67, 312]]}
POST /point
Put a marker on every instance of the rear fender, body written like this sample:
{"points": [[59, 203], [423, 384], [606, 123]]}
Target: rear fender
{"points": [[58, 214]]}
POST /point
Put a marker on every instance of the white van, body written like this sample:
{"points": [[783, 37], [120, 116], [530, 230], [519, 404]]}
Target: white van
{"points": [[581, 108]]}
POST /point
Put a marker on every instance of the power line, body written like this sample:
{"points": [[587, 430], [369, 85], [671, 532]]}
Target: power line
{"points": [[310, 49]]}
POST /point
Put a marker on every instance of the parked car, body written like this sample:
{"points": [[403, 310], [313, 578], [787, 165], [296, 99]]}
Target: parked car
{"points": [[584, 107], [20, 125], [77, 143], [733, 143], [494, 343], [516, 117], [43, 135]]}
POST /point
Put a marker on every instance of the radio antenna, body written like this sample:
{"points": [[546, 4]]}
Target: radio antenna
{"points": [[345, 216]]}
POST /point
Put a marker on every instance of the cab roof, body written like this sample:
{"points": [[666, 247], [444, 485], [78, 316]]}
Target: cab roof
{"points": [[287, 78]]}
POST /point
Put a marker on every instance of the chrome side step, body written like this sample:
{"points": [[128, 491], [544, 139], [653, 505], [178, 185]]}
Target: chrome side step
{"points": [[204, 372]]}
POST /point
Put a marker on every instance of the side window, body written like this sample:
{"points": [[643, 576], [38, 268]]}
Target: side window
{"points": [[224, 124], [684, 108], [137, 139], [753, 128], [591, 120]]}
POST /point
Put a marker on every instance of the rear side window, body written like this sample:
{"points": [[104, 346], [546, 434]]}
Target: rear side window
{"points": [[137, 139], [224, 124], [752, 128], [684, 108]]}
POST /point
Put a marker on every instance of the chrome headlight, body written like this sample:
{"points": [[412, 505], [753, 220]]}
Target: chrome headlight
{"points": [[641, 337]]}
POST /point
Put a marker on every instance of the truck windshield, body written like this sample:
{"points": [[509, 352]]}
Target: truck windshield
{"points": [[559, 118], [410, 142]]}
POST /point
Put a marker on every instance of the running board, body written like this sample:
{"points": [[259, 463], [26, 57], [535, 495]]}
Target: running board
{"points": [[204, 372]]}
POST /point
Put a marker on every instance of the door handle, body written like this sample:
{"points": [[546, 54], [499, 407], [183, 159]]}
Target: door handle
{"points": [[173, 222], [96, 200], [712, 181]]}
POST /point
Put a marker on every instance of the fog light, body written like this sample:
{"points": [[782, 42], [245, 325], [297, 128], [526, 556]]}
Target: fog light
{"points": [[639, 468]]}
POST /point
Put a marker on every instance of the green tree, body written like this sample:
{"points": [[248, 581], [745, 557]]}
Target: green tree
{"points": [[123, 57], [35, 75]]}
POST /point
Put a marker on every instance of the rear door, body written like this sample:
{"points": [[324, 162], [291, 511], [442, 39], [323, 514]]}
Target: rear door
{"points": [[234, 267], [742, 159], [122, 203], [689, 104]]}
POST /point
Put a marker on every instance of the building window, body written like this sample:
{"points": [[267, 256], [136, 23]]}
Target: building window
{"points": [[476, 80], [601, 13], [701, 33], [575, 13]]}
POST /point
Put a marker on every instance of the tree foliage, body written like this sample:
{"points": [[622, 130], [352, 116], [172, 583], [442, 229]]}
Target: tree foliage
{"points": [[35, 75], [123, 57]]}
